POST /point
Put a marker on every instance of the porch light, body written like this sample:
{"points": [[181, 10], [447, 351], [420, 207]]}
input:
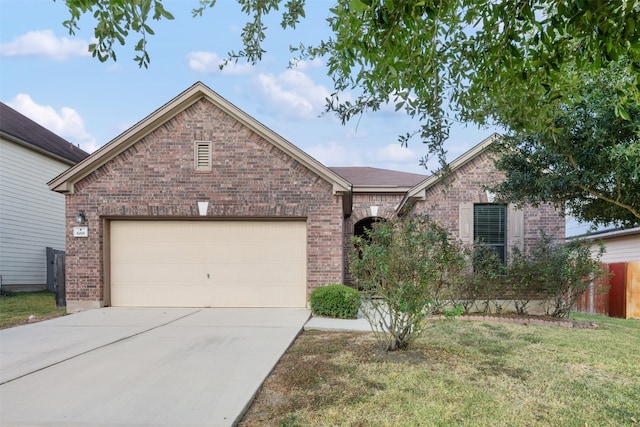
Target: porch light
{"points": [[80, 218]]}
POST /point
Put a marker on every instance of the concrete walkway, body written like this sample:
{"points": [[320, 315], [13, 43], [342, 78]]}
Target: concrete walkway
{"points": [[141, 367], [329, 324]]}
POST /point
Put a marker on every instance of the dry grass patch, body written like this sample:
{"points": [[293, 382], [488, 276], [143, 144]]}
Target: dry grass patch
{"points": [[459, 373]]}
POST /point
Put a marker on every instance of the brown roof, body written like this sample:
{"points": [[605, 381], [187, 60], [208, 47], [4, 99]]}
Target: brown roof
{"points": [[366, 176], [23, 130]]}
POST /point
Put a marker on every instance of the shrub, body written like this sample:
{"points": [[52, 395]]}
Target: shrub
{"points": [[335, 300], [404, 267], [567, 270], [487, 278], [523, 280], [557, 273]]}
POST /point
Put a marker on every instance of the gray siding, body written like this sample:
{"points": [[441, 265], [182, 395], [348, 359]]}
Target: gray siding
{"points": [[31, 216]]}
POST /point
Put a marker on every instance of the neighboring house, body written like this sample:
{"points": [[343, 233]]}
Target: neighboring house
{"points": [[201, 205], [31, 217], [617, 294], [621, 245]]}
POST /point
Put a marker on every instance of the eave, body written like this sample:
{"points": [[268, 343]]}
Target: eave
{"points": [[30, 146], [380, 189]]}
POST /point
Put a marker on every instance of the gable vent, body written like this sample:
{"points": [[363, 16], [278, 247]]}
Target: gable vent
{"points": [[202, 156]]}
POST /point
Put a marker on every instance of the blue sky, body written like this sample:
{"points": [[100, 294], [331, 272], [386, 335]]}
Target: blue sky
{"points": [[47, 75]]}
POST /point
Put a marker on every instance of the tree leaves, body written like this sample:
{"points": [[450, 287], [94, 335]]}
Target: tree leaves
{"points": [[513, 64], [115, 19], [588, 161]]}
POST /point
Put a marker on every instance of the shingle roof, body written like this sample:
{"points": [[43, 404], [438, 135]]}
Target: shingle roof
{"points": [[366, 176], [26, 131]]}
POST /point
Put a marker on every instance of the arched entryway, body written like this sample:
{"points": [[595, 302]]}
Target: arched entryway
{"points": [[360, 230], [360, 227]]}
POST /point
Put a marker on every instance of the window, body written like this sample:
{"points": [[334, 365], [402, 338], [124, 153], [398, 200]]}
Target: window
{"points": [[202, 156], [490, 227], [513, 223]]}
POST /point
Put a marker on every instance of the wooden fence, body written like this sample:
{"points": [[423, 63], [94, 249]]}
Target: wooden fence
{"points": [[56, 275], [616, 294]]}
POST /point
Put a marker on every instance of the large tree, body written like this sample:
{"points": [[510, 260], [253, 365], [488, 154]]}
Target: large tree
{"points": [[511, 63], [588, 161], [472, 58]]}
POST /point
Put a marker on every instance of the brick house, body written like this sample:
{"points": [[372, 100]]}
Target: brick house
{"points": [[201, 205]]}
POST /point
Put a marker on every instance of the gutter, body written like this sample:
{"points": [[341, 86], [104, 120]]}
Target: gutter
{"points": [[607, 234]]}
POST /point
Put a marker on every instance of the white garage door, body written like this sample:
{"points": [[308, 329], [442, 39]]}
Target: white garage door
{"points": [[208, 263]]}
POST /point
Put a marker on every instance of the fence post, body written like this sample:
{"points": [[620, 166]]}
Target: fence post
{"points": [[59, 279], [617, 303], [633, 290]]}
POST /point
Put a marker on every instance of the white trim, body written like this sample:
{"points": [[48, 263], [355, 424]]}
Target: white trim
{"points": [[380, 189], [607, 234]]}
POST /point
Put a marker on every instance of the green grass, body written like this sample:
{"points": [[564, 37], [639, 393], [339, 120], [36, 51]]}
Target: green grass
{"points": [[460, 374], [16, 308]]}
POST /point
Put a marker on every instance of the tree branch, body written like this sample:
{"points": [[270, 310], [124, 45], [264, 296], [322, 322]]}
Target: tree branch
{"points": [[600, 195], [616, 202]]}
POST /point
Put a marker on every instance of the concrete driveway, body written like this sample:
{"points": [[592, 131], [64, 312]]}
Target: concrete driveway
{"points": [[141, 367]]}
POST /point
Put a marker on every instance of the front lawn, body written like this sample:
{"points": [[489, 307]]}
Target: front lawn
{"points": [[23, 307], [459, 373]]}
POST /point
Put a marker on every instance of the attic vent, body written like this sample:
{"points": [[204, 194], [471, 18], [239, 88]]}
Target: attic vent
{"points": [[202, 156]]}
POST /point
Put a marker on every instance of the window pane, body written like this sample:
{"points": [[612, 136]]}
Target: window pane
{"points": [[490, 227]]}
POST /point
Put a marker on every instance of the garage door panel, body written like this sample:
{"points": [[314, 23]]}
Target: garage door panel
{"points": [[242, 274], [223, 296], [150, 253], [237, 254], [150, 275], [208, 264], [139, 295]]}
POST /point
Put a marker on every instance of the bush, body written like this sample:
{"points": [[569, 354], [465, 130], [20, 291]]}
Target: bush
{"points": [[556, 272], [405, 268], [567, 271], [487, 278], [523, 278], [335, 301]]}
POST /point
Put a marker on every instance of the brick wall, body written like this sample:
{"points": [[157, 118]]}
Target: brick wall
{"points": [[467, 185], [155, 178]]}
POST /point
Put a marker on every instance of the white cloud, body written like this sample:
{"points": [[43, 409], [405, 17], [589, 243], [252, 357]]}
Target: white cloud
{"points": [[67, 123], [303, 65], [335, 154], [392, 156], [396, 153], [45, 44], [292, 94], [357, 133], [209, 63]]}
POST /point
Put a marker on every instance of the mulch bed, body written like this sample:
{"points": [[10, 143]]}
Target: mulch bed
{"points": [[526, 320]]}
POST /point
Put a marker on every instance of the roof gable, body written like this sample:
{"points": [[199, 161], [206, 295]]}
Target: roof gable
{"points": [[24, 131], [65, 182], [418, 192]]}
